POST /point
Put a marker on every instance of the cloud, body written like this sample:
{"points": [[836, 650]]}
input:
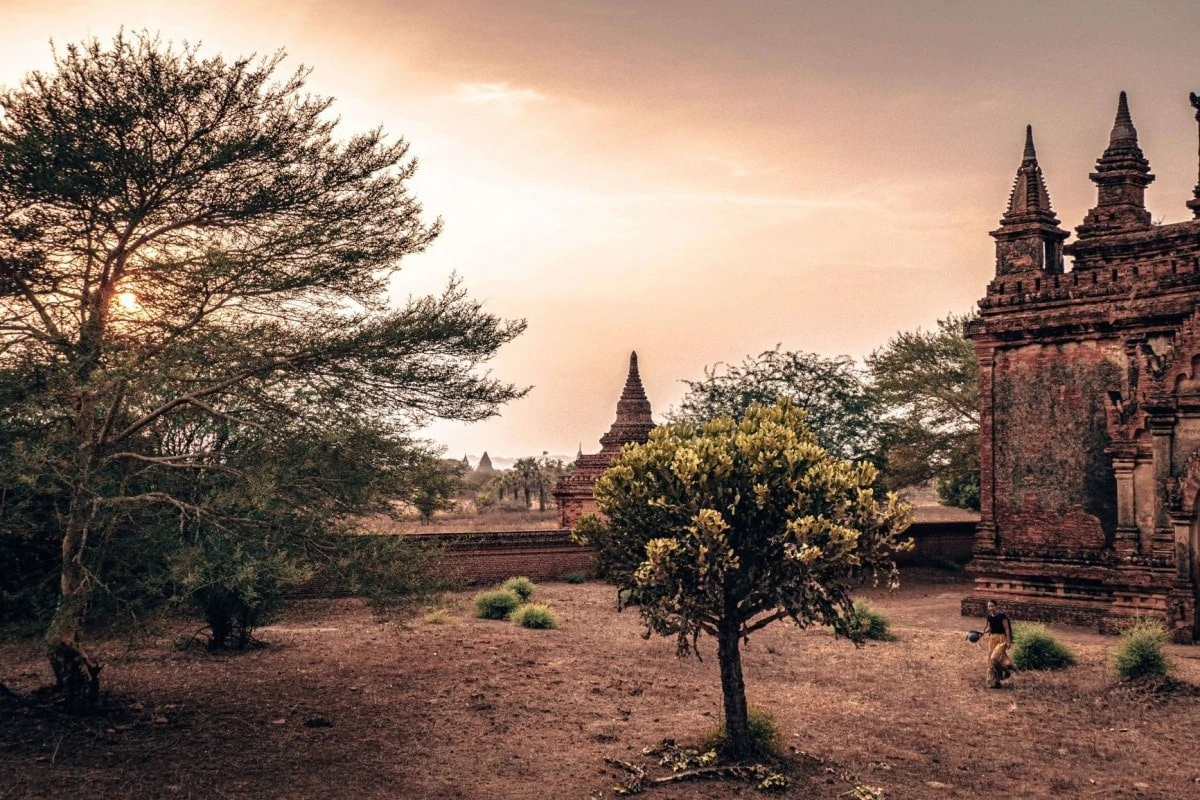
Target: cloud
{"points": [[495, 94]]}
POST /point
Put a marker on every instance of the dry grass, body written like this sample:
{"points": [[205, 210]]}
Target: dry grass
{"points": [[478, 710]]}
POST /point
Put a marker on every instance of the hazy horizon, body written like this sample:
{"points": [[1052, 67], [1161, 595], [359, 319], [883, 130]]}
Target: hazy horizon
{"points": [[699, 181]]}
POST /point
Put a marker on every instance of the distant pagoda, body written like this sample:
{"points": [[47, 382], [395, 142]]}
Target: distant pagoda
{"points": [[574, 492]]}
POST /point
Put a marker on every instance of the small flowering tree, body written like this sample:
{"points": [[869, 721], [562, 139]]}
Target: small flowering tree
{"points": [[725, 527]]}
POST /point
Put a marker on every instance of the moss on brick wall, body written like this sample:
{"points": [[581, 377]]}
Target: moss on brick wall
{"points": [[1051, 433]]}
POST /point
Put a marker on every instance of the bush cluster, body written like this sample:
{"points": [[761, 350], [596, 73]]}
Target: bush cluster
{"points": [[1034, 647], [1142, 654], [508, 601]]}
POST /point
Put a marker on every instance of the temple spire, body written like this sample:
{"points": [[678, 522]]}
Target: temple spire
{"points": [[1194, 203], [633, 413], [1029, 237], [1029, 195], [1123, 131], [1122, 175]]}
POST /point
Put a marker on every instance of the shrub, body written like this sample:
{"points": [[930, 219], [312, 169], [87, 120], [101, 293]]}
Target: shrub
{"points": [[534, 615], [522, 587], [575, 577], [438, 616], [765, 738], [236, 584], [1034, 647], [1141, 654], [870, 623], [496, 604]]}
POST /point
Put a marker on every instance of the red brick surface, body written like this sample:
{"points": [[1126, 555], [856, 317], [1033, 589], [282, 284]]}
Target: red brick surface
{"points": [[1088, 405]]}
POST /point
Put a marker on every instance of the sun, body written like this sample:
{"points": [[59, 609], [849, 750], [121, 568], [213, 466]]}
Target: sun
{"points": [[128, 301]]}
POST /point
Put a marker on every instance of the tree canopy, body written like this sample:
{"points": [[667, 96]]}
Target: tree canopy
{"points": [[928, 383], [724, 527], [842, 412], [196, 331]]}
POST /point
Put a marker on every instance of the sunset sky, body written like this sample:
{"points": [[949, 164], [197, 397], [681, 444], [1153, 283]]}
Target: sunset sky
{"points": [[698, 181]]}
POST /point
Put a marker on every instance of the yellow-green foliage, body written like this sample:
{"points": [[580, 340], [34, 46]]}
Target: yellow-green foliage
{"points": [[754, 511], [496, 604], [1142, 654], [726, 526], [534, 615], [521, 586]]}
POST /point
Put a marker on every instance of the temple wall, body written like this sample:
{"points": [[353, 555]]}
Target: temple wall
{"points": [[1054, 483], [1143, 487]]}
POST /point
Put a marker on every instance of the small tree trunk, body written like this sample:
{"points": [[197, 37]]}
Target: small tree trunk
{"points": [[737, 721], [528, 501], [76, 674], [542, 498]]}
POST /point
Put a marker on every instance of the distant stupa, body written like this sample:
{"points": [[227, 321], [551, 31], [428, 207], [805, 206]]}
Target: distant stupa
{"points": [[575, 492]]}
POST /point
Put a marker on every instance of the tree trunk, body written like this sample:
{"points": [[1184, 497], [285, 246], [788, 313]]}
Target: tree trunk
{"points": [[737, 721], [76, 674], [542, 497]]}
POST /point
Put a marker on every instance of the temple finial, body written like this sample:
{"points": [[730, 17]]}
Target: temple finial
{"points": [[1030, 153], [1029, 237], [1121, 177], [1029, 195], [1123, 131]]}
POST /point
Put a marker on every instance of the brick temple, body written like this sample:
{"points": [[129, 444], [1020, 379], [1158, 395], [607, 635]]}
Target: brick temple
{"points": [[1090, 405], [633, 425]]}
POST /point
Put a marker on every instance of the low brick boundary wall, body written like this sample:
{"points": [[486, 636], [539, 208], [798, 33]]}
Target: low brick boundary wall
{"points": [[488, 557], [485, 557]]}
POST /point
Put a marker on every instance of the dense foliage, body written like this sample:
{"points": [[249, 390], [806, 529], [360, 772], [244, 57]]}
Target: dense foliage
{"points": [[913, 412], [724, 527], [198, 356], [842, 413], [928, 384]]}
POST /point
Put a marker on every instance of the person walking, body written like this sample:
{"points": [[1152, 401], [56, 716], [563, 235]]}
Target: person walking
{"points": [[999, 637]]}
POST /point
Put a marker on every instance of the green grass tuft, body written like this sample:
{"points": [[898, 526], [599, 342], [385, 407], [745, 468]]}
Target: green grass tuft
{"points": [[1141, 655], [437, 616], [534, 615], [1034, 647], [522, 587], [765, 738], [575, 577], [870, 623], [496, 604]]}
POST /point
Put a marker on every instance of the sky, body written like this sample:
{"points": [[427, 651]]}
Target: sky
{"points": [[699, 181]]}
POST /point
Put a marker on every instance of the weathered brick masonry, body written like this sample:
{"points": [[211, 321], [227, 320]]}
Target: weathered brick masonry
{"points": [[1090, 405]]}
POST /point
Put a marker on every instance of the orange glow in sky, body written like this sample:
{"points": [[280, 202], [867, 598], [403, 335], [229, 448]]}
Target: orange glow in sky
{"points": [[698, 181]]}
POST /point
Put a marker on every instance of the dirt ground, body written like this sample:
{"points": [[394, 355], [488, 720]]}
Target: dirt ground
{"points": [[340, 705]]}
